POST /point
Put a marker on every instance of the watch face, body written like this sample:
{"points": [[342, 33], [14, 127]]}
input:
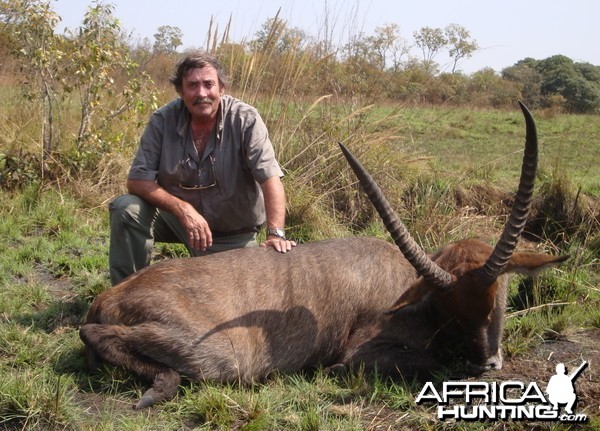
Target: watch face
{"points": [[277, 232]]}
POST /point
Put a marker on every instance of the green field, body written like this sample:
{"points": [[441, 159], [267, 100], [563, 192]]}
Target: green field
{"points": [[488, 145], [53, 262]]}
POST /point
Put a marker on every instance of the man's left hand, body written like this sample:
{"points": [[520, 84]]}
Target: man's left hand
{"points": [[280, 244]]}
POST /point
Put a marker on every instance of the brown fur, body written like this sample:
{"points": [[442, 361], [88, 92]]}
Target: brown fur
{"points": [[239, 315]]}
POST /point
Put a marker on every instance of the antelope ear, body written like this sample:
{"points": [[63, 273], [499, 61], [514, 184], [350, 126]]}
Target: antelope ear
{"points": [[415, 294], [533, 263]]}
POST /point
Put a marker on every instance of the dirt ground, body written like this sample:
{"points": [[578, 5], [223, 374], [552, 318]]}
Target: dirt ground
{"points": [[537, 365]]}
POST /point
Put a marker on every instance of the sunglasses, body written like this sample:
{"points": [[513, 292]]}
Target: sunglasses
{"points": [[194, 184]]}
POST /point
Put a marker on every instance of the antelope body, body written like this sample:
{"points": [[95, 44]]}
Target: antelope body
{"points": [[242, 314]]}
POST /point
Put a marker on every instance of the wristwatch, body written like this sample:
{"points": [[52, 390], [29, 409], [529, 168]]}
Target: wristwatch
{"points": [[275, 231]]}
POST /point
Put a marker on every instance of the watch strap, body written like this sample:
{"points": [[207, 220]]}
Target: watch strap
{"points": [[275, 231]]}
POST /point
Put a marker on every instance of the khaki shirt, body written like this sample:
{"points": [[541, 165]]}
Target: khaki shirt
{"points": [[226, 182]]}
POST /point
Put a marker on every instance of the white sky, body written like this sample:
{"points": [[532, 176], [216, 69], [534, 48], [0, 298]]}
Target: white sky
{"points": [[506, 30]]}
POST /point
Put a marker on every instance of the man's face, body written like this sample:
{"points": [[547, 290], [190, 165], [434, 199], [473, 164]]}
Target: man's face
{"points": [[201, 92]]}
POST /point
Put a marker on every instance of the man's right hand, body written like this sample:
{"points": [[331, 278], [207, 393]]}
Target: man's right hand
{"points": [[196, 227]]}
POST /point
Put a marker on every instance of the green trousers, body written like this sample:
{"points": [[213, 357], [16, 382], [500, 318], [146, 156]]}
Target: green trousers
{"points": [[135, 226]]}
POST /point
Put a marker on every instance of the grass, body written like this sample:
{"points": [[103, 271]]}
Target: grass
{"points": [[487, 145], [53, 262], [435, 168]]}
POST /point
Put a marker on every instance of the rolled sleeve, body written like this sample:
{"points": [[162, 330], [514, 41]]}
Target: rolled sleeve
{"points": [[260, 155]]}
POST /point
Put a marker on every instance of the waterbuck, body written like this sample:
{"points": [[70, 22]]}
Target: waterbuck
{"points": [[239, 315]]}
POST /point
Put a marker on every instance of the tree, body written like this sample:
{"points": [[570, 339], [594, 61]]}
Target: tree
{"points": [[560, 75], [431, 41], [388, 46], [32, 23], [486, 87], [583, 96], [460, 43], [98, 56], [589, 72], [97, 53], [526, 76], [276, 35], [167, 39]]}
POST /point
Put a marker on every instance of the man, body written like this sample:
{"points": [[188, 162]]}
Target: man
{"points": [[560, 389], [204, 175]]}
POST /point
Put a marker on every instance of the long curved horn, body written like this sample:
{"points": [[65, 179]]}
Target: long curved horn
{"points": [[405, 242], [518, 216]]}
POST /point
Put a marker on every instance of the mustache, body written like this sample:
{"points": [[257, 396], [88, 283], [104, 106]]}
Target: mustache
{"points": [[200, 101]]}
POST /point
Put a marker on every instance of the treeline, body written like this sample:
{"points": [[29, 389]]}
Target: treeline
{"points": [[380, 67], [100, 73]]}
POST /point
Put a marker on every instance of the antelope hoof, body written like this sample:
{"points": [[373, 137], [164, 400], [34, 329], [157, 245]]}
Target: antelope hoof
{"points": [[164, 388], [147, 400]]}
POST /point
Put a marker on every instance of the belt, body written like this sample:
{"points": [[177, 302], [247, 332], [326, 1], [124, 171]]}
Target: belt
{"points": [[221, 234]]}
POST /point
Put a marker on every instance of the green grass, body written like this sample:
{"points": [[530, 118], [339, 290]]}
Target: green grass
{"points": [[53, 262], [487, 145], [44, 384]]}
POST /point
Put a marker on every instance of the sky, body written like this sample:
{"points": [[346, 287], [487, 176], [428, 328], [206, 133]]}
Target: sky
{"points": [[505, 30]]}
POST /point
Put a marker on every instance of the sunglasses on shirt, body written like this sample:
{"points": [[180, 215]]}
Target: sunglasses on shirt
{"points": [[199, 171]]}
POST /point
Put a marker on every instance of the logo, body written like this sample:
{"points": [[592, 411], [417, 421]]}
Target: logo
{"points": [[510, 400]]}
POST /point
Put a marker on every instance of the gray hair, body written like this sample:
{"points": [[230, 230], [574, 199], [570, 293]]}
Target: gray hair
{"points": [[197, 60]]}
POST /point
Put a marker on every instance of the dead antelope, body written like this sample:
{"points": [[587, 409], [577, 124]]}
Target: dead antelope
{"points": [[239, 315]]}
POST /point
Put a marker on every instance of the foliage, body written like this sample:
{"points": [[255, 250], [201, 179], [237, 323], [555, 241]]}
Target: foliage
{"points": [[461, 45], [276, 35], [577, 83], [31, 28], [430, 41], [383, 50], [93, 65], [368, 67], [529, 80], [100, 60], [167, 39]]}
